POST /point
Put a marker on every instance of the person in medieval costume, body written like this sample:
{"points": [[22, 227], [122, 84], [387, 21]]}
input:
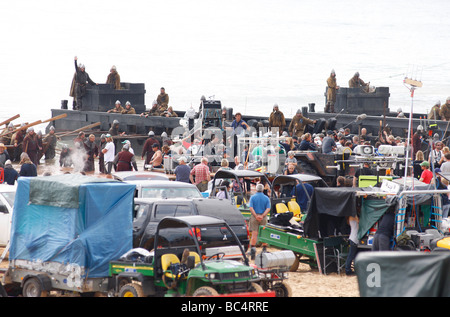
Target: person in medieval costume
{"points": [[31, 146], [163, 101], [277, 120], [91, 153], [49, 142], [128, 109], [17, 141], [81, 80], [356, 82], [299, 123], [444, 113], [434, 112], [113, 78], [332, 87], [117, 108]]}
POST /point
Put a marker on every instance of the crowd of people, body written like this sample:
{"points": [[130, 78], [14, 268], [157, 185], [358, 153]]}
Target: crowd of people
{"points": [[25, 147]]}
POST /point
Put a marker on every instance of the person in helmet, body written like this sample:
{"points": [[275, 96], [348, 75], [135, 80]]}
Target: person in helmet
{"points": [[277, 120], [434, 112], [400, 113], [128, 109], [65, 157], [444, 113], [31, 146], [147, 150], [125, 160], [113, 78], [417, 140], [153, 111], [117, 108], [115, 129], [169, 113], [6, 137], [17, 141], [299, 123], [49, 143], [81, 80], [332, 87], [115, 132], [356, 82]]}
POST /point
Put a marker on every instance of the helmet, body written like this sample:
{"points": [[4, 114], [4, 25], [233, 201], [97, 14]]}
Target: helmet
{"points": [[151, 133], [118, 102], [419, 127]]}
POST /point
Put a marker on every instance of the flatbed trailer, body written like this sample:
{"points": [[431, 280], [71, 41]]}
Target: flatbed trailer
{"points": [[305, 249]]}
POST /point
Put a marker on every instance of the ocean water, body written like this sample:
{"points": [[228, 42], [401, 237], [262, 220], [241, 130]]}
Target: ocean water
{"points": [[250, 54]]}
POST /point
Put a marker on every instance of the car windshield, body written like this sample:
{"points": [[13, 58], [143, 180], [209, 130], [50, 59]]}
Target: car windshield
{"points": [[9, 197], [173, 192]]}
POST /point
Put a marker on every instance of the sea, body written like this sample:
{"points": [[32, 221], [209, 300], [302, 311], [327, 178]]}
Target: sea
{"points": [[249, 54]]}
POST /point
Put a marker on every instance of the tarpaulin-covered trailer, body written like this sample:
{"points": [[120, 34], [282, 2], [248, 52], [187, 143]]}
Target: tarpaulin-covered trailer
{"points": [[65, 231]]}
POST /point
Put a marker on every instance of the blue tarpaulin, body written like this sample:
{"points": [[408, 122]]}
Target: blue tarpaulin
{"points": [[88, 222]]}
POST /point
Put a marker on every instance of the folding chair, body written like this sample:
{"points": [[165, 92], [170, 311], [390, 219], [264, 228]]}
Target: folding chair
{"points": [[332, 253]]}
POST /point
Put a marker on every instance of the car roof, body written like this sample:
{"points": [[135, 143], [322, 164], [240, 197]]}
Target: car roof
{"points": [[195, 220], [4, 188], [161, 200], [299, 177], [161, 183], [237, 173], [133, 175]]}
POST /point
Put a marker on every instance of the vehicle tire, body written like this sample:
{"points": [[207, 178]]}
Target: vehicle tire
{"points": [[2, 291], [296, 263], [131, 290], [282, 289], [256, 288], [33, 288], [205, 291]]}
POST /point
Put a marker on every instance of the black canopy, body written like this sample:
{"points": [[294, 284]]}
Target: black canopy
{"points": [[328, 209]]}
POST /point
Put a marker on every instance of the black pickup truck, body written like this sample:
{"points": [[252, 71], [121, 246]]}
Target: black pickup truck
{"points": [[150, 212]]}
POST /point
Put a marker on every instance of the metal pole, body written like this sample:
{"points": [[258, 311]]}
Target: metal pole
{"points": [[409, 136]]}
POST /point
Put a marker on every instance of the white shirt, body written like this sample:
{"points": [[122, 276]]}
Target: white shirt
{"points": [[110, 152], [353, 231], [445, 167]]}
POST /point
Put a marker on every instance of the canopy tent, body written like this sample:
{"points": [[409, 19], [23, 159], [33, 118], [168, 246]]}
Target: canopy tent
{"points": [[330, 206], [73, 220], [328, 209]]}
